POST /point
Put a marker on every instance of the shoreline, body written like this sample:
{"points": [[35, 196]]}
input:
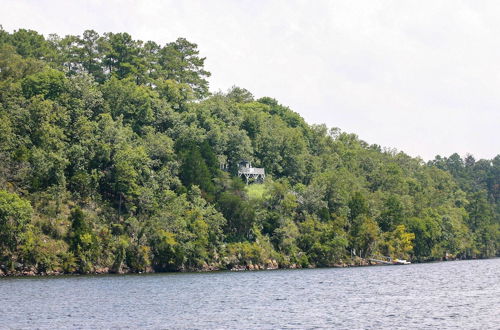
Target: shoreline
{"points": [[238, 268]]}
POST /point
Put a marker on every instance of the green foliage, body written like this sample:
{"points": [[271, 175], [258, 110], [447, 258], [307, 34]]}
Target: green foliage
{"points": [[255, 191], [481, 182], [427, 234], [357, 206], [14, 66], [324, 243], [196, 171], [15, 214], [239, 95], [247, 253], [168, 254], [126, 163], [46, 254], [29, 43], [82, 241], [398, 243], [239, 211], [134, 103], [181, 62], [48, 83], [365, 236], [392, 213]]}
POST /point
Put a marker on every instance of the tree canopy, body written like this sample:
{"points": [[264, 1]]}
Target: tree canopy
{"points": [[111, 158]]}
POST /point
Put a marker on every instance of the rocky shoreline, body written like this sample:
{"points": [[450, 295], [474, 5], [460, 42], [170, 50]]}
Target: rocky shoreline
{"points": [[269, 265]]}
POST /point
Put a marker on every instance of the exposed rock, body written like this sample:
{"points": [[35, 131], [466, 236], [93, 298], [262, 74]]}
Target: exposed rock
{"points": [[271, 264], [105, 270], [209, 267], [53, 273]]}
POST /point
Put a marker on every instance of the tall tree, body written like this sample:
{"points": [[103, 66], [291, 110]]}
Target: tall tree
{"points": [[180, 61]]}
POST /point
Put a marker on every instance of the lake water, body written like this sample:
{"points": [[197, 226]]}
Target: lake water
{"points": [[459, 294]]}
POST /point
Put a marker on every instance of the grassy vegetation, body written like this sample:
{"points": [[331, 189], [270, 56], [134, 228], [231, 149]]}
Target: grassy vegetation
{"points": [[256, 190], [110, 156]]}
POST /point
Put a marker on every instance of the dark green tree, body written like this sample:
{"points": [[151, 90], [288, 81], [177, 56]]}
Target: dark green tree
{"points": [[180, 61]]}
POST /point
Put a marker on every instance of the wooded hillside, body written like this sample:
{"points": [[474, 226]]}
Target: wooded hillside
{"points": [[110, 157]]}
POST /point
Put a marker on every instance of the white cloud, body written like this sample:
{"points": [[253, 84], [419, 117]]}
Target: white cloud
{"points": [[419, 76]]}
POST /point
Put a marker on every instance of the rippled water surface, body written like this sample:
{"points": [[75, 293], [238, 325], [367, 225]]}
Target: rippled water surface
{"points": [[460, 294]]}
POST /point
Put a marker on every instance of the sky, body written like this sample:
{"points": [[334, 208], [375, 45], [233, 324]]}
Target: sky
{"points": [[422, 77]]}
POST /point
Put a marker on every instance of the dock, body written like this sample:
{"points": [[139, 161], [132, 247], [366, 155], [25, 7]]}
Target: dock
{"points": [[389, 261]]}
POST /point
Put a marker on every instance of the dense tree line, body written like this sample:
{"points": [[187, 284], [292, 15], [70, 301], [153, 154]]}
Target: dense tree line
{"points": [[110, 160]]}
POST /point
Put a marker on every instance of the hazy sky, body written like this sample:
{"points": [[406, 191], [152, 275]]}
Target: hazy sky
{"points": [[419, 76]]}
